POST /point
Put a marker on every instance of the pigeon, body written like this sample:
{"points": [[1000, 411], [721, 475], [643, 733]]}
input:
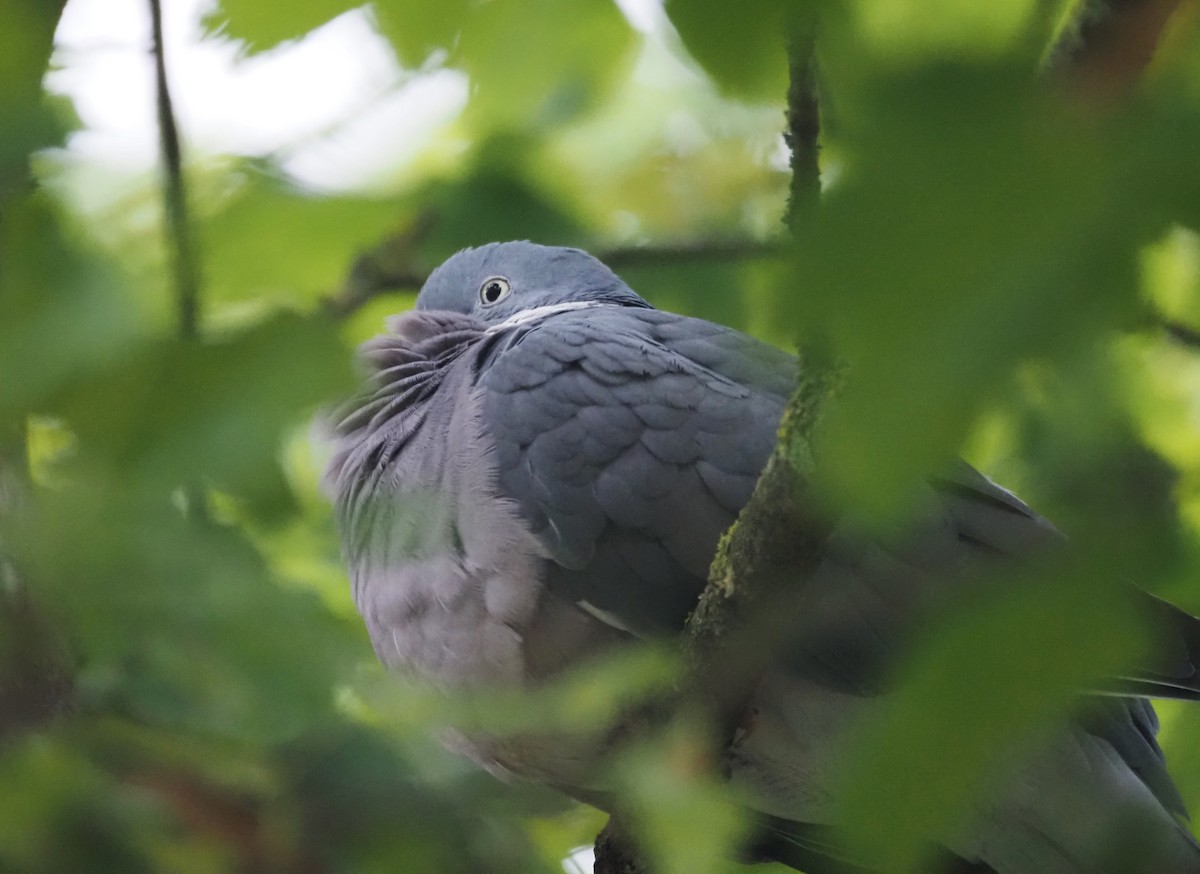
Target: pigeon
{"points": [[537, 472]]}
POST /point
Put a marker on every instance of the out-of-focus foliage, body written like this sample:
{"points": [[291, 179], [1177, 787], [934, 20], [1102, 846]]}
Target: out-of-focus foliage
{"points": [[995, 256]]}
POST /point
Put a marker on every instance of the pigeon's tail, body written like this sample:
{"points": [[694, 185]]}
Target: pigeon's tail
{"points": [[816, 849], [1059, 834], [1176, 671]]}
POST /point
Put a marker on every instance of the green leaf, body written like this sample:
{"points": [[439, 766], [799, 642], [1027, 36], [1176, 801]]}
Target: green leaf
{"points": [[25, 44], [519, 80], [174, 412], [999, 227], [973, 702], [362, 804], [496, 201], [62, 312], [272, 243], [743, 46], [58, 819], [264, 25], [179, 622], [418, 27], [685, 817], [921, 29]]}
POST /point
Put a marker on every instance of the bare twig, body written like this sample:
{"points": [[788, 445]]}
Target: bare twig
{"points": [[185, 272], [366, 281], [803, 130], [185, 275], [1184, 335]]}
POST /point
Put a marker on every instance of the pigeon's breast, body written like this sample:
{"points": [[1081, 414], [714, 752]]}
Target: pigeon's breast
{"points": [[444, 570]]}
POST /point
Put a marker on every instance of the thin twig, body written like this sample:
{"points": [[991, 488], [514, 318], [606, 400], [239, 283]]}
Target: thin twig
{"points": [[803, 130], [184, 267], [1184, 335], [185, 275]]}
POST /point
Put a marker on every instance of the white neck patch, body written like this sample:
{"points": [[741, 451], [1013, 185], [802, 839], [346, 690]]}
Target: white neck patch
{"points": [[538, 313]]}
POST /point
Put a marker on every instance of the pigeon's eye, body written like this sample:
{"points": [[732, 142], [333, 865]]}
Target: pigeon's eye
{"points": [[494, 290]]}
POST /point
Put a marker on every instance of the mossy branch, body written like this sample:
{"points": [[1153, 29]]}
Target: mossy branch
{"points": [[755, 587], [738, 627]]}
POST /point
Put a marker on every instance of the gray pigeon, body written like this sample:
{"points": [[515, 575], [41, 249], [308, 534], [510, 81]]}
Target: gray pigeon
{"points": [[539, 470]]}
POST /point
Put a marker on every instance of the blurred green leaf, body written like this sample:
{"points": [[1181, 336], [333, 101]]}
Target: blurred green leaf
{"points": [[271, 243], [976, 692], [418, 27], [25, 42], [173, 411], [562, 76], [264, 25], [1180, 736], [64, 814], [495, 201], [914, 31], [359, 802], [62, 312], [686, 818], [742, 46], [147, 593], [936, 279]]}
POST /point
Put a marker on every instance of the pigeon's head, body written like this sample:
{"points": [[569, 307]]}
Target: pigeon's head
{"points": [[500, 280]]}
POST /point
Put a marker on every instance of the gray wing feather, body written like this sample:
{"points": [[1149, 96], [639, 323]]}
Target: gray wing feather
{"points": [[1130, 726], [633, 448]]}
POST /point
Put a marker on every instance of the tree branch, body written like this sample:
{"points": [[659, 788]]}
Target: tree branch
{"points": [[36, 678], [741, 622], [1184, 335], [803, 129], [615, 854], [747, 612], [185, 275], [1109, 44]]}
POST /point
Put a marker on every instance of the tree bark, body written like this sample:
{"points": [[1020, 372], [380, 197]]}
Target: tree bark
{"points": [[803, 132], [615, 853], [36, 674], [1105, 49]]}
